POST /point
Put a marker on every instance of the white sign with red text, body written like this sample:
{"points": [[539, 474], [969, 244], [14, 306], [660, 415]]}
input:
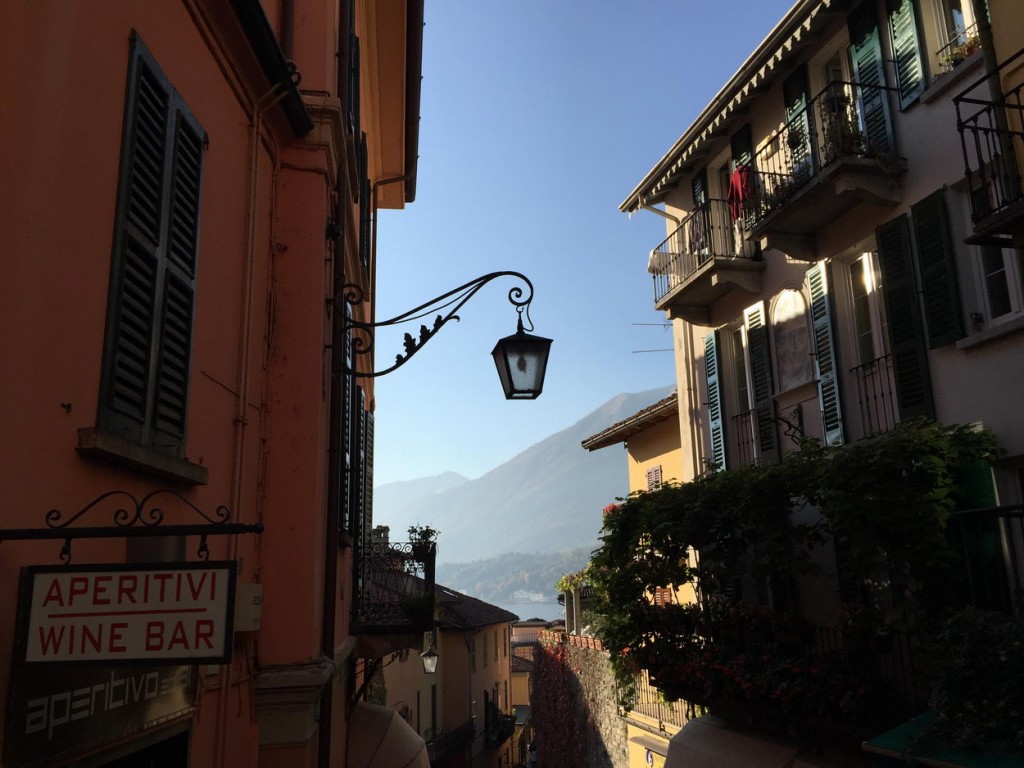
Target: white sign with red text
{"points": [[170, 613]]}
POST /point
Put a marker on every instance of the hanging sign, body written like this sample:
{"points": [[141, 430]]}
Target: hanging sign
{"points": [[167, 613]]}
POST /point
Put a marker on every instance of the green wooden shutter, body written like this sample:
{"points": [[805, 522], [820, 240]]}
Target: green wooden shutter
{"points": [[869, 74], [152, 289], [175, 341], [798, 140], [906, 50], [699, 187], [761, 383], [937, 262], [825, 355], [716, 419], [742, 146], [910, 358]]}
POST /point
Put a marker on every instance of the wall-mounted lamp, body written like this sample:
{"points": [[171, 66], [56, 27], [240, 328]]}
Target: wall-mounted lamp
{"points": [[521, 359], [429, 657]]}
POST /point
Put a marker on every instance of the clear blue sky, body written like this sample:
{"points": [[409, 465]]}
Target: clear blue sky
{"points": [[538, 118]]}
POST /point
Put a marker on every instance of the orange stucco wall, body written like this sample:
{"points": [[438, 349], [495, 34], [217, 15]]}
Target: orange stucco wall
{"points": [[259, 379]]}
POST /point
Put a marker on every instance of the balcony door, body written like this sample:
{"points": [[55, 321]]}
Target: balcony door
{"points": [[872, 105]]}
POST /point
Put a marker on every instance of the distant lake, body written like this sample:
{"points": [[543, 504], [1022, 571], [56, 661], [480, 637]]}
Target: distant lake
{"points": [[546, 611]]}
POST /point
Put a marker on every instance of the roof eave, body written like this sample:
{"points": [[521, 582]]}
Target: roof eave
{"points": [[776, 48]]}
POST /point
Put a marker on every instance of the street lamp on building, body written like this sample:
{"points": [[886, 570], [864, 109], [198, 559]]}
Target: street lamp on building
{"points": [[521, 359]]}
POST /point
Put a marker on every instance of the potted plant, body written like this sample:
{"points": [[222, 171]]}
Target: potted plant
{"points": [[422, 537]]}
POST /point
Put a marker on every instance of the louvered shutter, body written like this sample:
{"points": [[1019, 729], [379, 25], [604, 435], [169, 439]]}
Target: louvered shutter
{"points": [[716, 420], [761, 383], [367, 476], [654, 478], [910, 358], [825, 355], [355, 474], [152, 290], [869, 74], [937, 261], [742, 148], [699, 186], [799, 119], [906, 49]]}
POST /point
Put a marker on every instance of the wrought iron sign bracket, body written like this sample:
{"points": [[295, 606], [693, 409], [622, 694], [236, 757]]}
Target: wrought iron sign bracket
{"points": [[362, 338], [132, 518]]}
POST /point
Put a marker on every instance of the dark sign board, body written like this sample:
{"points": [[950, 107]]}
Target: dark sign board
{"points": [[54, 710]]}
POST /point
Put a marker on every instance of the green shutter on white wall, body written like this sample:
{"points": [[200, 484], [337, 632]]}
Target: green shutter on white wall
{"points": [[910, 358], [869, 74], [825, 355], [716, 418], [906, 50], [937, 262], [758, 351]]}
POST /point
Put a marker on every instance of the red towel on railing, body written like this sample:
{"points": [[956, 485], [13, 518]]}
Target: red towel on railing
{"points": [[741, 191]]}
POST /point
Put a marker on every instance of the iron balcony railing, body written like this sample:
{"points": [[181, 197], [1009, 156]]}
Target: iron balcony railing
{"points": [[743, 431], [962, 43], [876, 396], [993, 549], [651, 703], [845, 120], [708, 232], [395, 587], [451, 743], [992, 138], [498, 728]]}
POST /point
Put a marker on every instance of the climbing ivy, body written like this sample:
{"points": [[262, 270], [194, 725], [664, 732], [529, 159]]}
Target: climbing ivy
{"points": [[884, 503]]}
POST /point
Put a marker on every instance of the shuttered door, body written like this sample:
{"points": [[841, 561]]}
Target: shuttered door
{"points": [[761, 383], [910, 358], [716, 425], [152, 289], [869, 74], [906, 49], [825, 355], [937, 261]]}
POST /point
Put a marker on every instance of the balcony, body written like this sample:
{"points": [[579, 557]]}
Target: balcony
{"points": [[991, 127], [876, 396], [498, 728], [837, 153], [705, 258], [450, 744], [393, 596]]}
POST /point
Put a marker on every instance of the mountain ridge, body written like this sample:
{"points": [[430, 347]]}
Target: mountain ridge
{"points": [[549, 495]]}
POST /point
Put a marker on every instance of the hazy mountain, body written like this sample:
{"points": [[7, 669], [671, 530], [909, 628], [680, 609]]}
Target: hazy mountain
{"points": [[547, 499], [396, 496]]}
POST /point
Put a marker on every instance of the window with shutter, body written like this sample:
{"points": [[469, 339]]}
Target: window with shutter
{"points": [[654, 478], [906, 50], [936, 260], [761, 384], [151, 306], [906, 335], [825, 355], [367, 476], [869, 74], [800, 128], [716, 417]]}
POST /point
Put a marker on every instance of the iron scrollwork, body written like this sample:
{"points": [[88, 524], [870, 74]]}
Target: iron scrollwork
{"points": [[131, 518], [362, 333]]}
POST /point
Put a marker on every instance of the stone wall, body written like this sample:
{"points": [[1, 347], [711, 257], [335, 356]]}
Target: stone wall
{"points": [[575, 705]]}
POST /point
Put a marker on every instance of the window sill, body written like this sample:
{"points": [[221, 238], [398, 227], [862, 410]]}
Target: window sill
{"points": [[94, 443], [992, 333], [943, 82]]}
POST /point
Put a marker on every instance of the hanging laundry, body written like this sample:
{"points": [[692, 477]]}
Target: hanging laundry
{"points": [[742, 191]]}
